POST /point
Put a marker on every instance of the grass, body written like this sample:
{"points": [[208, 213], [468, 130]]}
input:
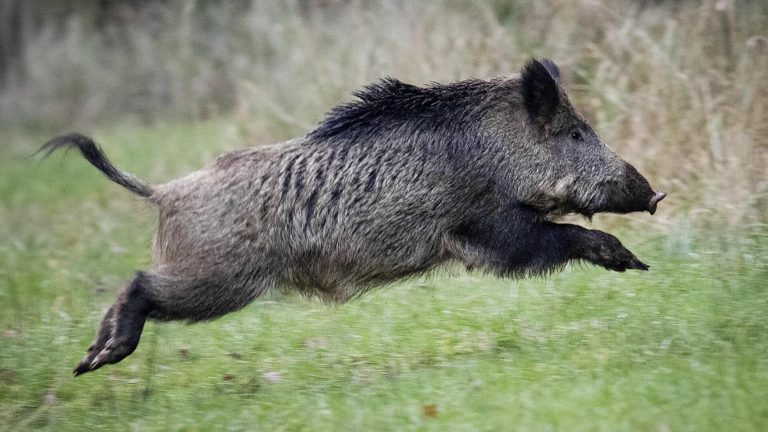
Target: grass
{"points": [[683, 347]]}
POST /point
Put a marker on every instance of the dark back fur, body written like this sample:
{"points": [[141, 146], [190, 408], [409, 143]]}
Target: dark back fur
{"points": [[366, 198]]}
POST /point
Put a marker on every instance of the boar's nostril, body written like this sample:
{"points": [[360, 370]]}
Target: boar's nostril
{"points": [[655, 200]]}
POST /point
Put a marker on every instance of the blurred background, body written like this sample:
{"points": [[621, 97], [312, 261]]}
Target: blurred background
{"points": [[678, 88]]}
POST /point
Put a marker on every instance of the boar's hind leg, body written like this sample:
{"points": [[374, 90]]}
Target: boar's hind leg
{"points": [[121, 327], [517, 241], [159, 296]]}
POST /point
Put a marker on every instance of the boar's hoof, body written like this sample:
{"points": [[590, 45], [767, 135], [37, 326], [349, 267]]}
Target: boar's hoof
{"points": [[607, 251], [112, 352], [636, 264]]}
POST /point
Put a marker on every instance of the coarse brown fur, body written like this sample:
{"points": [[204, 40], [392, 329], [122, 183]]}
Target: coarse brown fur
{"points": [[390, 185]]}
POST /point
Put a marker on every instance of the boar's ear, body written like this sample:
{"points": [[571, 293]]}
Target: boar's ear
{"points": [[541, 94], [552, 68]]}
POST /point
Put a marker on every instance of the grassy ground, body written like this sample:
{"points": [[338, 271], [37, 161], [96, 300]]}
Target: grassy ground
{"points": [[683, 347]]}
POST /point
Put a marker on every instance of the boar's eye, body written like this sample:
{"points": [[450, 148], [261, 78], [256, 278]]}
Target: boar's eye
{"points": [[576, 135]]}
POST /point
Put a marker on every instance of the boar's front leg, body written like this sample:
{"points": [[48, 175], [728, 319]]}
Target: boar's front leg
{"points": [[518, 241], [605, 250]]}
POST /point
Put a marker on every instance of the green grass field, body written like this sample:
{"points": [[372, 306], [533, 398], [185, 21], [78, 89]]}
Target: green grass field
{"points": [[682, 347]]}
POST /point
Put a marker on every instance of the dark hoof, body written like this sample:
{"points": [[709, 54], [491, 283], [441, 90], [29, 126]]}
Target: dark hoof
{"points": [[636, 264], [607, 251], [112, 352], [85, 365], [93, 360]]}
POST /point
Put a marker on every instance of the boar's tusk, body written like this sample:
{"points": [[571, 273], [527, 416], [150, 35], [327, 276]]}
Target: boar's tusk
{"points": [[655, 200]]}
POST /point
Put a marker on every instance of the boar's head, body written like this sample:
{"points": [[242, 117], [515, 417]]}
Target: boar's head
{"points": [[561, 164]]}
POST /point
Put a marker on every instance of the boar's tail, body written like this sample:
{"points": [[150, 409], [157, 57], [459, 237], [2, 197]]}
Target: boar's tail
{"points": [[95, 155]]}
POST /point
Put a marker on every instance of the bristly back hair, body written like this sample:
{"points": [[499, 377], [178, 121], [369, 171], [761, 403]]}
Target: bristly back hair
{"points": [[392, 104]]}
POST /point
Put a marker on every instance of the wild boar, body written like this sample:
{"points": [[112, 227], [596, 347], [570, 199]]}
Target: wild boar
{"points": [[390, 185]]}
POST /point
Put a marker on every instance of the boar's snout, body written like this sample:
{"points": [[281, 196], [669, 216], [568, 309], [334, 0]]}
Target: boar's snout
{"points": [[655, 200], [631, 194]]}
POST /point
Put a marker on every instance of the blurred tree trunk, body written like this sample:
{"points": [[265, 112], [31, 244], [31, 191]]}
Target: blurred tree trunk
{"points": [[21, 19], [113, 18], [11, 40]]}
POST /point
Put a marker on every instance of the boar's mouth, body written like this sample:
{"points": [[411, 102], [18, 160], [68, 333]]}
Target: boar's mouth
{"points": [[630, 193]]}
